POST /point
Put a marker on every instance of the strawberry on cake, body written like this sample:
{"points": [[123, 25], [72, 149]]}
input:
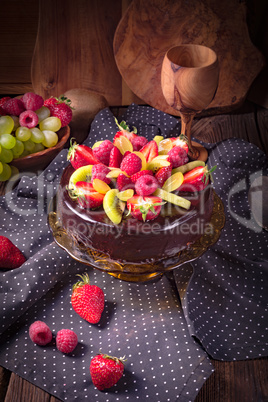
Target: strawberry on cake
{"points": [[135, 200]]}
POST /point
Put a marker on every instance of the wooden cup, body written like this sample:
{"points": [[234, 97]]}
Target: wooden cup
{"points": [[189, 81]]}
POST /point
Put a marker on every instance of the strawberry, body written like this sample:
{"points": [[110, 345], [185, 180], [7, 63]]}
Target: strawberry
{"points": [[10, 256], [150, 150], [115, 158], [197, 179], [124, 182], [32, 101], [125, 131], [163, 174], [81, 155], [137, 175], [177, 156], [50, 103], [146, 185], [102, 152], [131, 164], [144, 208], [106, 370], [61, 108], [87, 300], [99, 171], [86, 195], [13, 106], [180, 141]]}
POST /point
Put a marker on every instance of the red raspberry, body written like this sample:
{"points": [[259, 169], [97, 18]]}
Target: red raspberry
{"points": [[99, 171], [138, 142], [115, 158], [66, 340], [13, 106], [163, 174], [131, 164], [32, 101], [40, 333], [137, 175], [177, 156], [102, 152], [146, 185], [28, 119], [124, 183], [3, 100]]}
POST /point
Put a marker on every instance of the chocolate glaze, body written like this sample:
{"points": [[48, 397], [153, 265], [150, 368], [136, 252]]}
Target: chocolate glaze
{"points": [[132, 240]]}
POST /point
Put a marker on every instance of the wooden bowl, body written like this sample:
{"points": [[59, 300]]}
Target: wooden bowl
{"points": [[40, 160]]}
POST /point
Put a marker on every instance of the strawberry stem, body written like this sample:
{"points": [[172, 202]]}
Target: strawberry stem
{"points": [[85, 281]]}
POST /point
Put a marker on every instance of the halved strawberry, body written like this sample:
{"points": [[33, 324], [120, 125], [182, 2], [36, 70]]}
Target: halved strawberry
{"points": [[144, 208], [180, 141], [115, 158], [124, 182], [125, 131], [197, 179], [163, 174], [150, 150], [81, 155], [86, 195]]}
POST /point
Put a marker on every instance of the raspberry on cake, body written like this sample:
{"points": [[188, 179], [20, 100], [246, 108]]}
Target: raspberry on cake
{"points": [[136, 206]]}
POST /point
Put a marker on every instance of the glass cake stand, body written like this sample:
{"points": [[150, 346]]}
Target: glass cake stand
{"points": [[136, 272]]}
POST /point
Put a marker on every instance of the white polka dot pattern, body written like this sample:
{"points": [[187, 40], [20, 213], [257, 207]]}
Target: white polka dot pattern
{"points": [[145, 322]]}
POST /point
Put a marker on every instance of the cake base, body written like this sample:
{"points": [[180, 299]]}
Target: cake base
{"points": [[132, 272]]}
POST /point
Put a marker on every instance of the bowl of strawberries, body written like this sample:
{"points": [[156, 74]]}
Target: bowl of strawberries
{"points": [[32, 131]]}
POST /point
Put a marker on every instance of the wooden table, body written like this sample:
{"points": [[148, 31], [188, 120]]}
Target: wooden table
{"points": [[232, 381]]}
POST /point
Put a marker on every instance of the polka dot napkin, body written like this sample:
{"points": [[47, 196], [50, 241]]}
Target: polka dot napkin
{"points": [[165, 328]]}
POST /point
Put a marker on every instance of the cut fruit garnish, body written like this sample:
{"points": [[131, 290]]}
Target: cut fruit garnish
{"points": [[158, 138], [143, 160], [172, 198], [123, 144], [173, 182], [96, 144], [125, 195], [112, 206], [165, 146], [81, 174], [156, 164], [114, 173], [188, 166], [100, 186], [144, 208]]}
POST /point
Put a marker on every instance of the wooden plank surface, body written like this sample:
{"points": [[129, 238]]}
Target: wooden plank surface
{"points": [[150, 27]]}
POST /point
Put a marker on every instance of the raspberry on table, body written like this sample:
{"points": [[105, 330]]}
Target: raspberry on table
{"points": [[66, 340], [146, 185], [40, 333]]}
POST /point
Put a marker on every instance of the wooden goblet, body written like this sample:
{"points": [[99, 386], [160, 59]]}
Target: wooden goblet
{"points": [[189, 81]]}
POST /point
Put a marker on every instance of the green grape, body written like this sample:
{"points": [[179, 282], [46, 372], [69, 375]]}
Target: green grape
{"points": [[38, 148], [51, 139], [37, 135], [29, 146], [24, 153], [51, 124], [6, 155], [23, 133], [42, 113], [6, 124], [7, 141], [1, 167], [6, 172], [16, 122], [14, 171], [18, 149]]}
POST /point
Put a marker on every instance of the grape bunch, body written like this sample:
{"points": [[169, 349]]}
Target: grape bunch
{"points": [[29, 125]]}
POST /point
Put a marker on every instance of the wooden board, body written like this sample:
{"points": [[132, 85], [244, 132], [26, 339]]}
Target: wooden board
{"points": [[150, 27], [74, 48]]}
